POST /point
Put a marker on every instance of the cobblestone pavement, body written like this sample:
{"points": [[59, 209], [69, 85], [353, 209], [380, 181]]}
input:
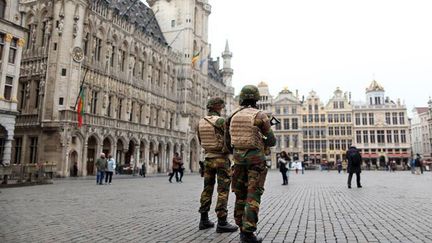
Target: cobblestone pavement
{"points": [[314, 207]]}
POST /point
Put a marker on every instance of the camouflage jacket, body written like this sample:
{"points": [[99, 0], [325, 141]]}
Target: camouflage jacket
{"points": [[255, 156], [220, 123]]}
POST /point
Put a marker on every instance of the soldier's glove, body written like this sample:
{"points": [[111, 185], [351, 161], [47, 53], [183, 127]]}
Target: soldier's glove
{"points": [[201, 169]]}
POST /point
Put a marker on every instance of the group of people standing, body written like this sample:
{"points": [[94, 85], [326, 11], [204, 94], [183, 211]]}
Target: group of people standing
{"points": [[247, 136], [416, 165], [177, 168], [105, 168]]}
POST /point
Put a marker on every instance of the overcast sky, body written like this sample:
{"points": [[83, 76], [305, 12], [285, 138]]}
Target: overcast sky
{"points": [[324, 44]]}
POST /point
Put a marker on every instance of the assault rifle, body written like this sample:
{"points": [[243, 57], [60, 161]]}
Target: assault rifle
{"points": [[201, 169]]}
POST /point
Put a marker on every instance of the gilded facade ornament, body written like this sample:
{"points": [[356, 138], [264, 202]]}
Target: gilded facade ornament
{"points": [[8, 37], [21, 42]]}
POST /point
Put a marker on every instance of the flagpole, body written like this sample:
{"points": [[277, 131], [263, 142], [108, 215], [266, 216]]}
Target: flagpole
{"points": [[81, 86]]}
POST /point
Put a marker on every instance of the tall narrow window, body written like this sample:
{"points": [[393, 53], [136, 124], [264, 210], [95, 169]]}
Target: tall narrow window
{"points": [[98, 49], [401, 118], [1, 43], [113, 51], [396, 136], [123, 60], [380, 136], [371, 119], [403, 136], [364, 118], [33, 149], [7, 94], [131, 112], [372, 137], [44, 24], [389, 136], [286, 124], [17, 150], [119, 109], [2, 8], [387, 117], [12, 51], [365, 137], [357, 118], [93, 107], [85, 44], [395, 118], [37, 90], [295, 123], [348, 118], [295, 141], [358, 136]]}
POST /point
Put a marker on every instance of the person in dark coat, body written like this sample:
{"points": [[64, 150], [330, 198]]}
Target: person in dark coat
{"points": [[354, 165], [284, 162]]}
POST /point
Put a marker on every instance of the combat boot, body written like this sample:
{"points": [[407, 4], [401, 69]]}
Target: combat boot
{"points": [[205, 223], [249, 238], [224, 227]]}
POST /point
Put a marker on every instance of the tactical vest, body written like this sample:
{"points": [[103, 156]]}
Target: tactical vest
{"points": [[244, 134], [211, 140]]}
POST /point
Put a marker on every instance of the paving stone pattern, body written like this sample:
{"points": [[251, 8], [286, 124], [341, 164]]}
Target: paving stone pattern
{"points": [[314, 207]]}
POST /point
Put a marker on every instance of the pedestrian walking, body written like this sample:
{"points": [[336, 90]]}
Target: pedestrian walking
{"points": [[284, 162], [180, 168], [339, 165], [251, 137], [354, 165], [418, 165], [302, 164], [111, 166], [101, 164], [176, 163], [211, 131]]}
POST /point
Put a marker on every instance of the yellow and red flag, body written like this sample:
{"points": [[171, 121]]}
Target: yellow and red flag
{"points": [[80, 108]]}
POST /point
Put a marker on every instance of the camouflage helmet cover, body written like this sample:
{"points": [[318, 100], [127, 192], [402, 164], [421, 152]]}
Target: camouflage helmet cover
{"points": [[214, 101], [249, 92]]}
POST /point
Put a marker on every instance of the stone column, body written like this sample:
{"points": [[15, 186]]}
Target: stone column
{"points": [[17, 70], [4, 64], [84, 159], [146, 156], [9, 125], [137, 155], [163, 159]]}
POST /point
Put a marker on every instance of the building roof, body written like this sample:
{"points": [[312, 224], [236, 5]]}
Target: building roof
{"points": [[374, 86], [262, 84], [137, 13], [421, 110]]}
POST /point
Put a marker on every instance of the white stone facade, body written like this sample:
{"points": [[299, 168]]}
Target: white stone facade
{"points": [[420, 133], [11, 45], [381, 129], [142, 97], [287, 108]]}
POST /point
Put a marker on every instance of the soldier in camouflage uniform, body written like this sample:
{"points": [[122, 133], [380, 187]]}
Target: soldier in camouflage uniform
{"points": [[211, 136], [251, 136]]}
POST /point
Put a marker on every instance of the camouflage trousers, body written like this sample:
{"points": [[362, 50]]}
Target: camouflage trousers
{"points": [[219, 167], [248, 185]]}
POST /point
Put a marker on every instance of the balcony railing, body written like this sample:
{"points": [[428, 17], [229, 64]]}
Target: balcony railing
{"points": [[108, 122], [27, 120]]}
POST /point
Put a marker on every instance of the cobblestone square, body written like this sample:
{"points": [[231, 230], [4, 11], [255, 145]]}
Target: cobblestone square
{"points": [[314, 207]]}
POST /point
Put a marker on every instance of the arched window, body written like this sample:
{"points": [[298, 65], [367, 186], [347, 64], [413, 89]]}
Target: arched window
{"points": [[2, 8]]}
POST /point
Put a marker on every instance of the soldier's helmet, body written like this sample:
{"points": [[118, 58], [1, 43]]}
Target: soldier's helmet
{"points": [[249, 92], [212, 102]]}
